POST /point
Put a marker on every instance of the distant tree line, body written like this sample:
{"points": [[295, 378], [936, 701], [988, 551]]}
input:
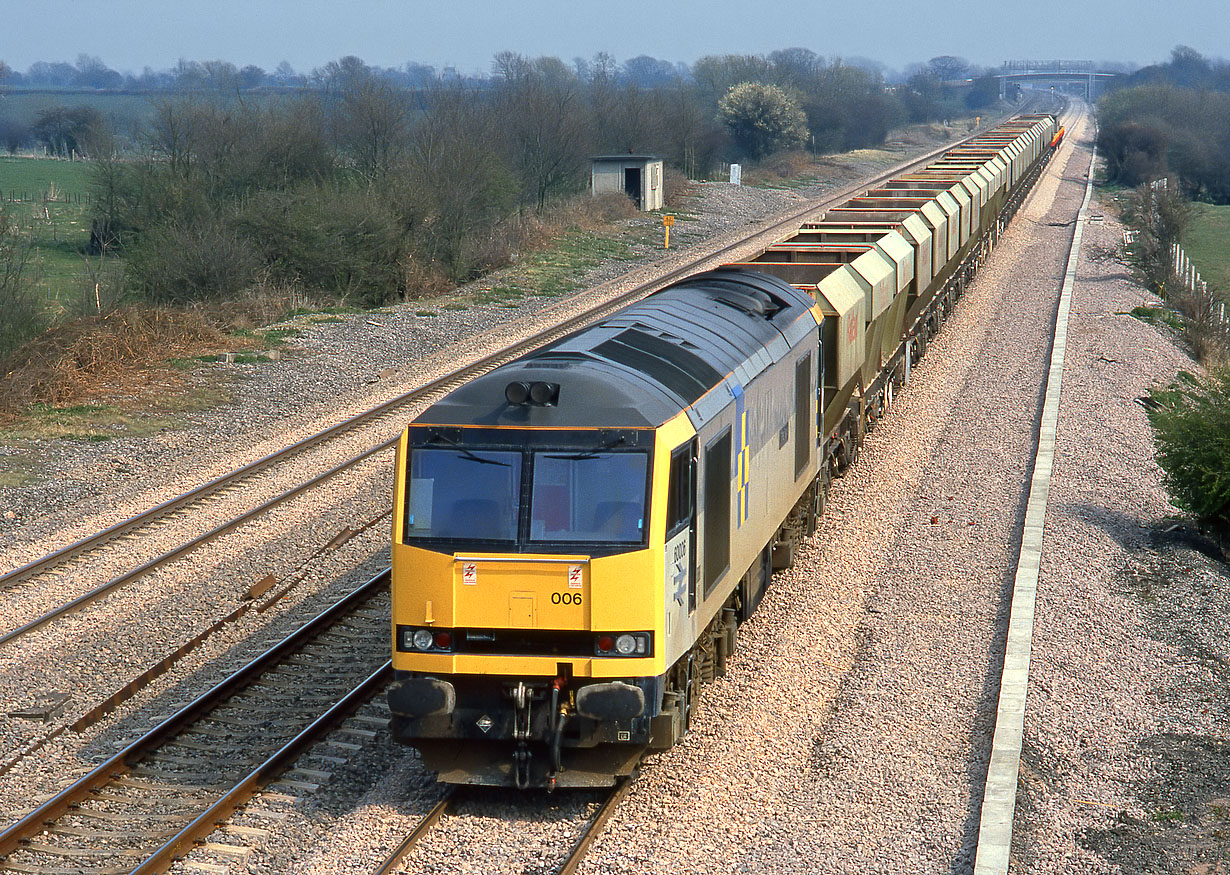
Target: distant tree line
{"points": [[1171, 119], [362, 181], [847, 104]]}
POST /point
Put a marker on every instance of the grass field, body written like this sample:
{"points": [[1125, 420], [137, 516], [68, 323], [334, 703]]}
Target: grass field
{"points": [[34, 177], [1207, 242], [58, 229]]}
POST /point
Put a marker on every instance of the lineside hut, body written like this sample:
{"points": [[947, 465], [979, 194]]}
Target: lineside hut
{"points": [[637, 176]]}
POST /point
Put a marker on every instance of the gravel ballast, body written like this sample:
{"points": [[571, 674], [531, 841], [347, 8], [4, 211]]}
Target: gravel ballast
{"points": [[852, 728]]}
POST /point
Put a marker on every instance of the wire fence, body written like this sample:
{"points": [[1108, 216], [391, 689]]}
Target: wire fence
{"points": [[45, 197]]}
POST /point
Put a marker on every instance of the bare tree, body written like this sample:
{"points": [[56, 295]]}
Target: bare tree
{"points": [[542, 117], [373, 121], [20, 313], [1158, 213], [457, 186], [173, 132], [948, 67]]}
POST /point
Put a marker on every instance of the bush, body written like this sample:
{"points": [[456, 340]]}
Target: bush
{"points": [[21, 315], [762, 118], [327, 238], [1191, 431], [192, 262], [675, 187]]}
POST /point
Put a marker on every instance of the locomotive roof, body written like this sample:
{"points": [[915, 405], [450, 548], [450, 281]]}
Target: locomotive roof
{"points": [[646, 363]]}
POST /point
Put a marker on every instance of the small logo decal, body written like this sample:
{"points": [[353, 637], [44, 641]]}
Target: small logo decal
{"points": [[484, 723], [574, 577], [469, 573]]}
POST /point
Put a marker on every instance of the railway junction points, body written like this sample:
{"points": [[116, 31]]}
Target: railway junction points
{"points": [[853, 728]]}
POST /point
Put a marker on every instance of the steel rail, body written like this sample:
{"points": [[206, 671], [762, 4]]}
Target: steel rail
{"points": [[577, 854], [446, 804], [479, 365], [121, 763], [182, 550], [206, 822], [217, 813]]}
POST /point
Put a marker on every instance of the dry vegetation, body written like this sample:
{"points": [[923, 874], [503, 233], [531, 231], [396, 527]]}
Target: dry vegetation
{"points": [[75, 360]]}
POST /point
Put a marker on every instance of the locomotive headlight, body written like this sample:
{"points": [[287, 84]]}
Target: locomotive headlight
{"points": [[625, 645], [422, 640]]}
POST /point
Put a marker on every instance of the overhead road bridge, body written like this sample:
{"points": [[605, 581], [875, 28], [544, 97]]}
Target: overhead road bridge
{"points": [[1081, 78]]}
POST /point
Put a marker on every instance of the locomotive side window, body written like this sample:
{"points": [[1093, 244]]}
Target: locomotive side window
{"points": [[679, 494], [802, 414], [591, 496], [469, 494], [717, 509]]}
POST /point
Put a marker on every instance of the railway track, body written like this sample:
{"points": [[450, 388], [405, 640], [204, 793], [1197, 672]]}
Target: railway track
{"points": [[153, 801], [454, 799]]}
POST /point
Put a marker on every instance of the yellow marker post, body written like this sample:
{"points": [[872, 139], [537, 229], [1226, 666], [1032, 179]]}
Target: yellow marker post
{"points": [[667, 221]]}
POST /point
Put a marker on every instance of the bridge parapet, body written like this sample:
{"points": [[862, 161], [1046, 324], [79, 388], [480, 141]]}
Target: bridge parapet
{"points": [[1059, 66], [1073, 77]]}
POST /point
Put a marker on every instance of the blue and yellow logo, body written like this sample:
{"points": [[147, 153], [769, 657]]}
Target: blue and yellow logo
{"points": [[743, 461]]}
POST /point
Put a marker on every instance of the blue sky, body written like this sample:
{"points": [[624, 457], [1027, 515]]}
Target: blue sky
{"points": [[130, 34]]}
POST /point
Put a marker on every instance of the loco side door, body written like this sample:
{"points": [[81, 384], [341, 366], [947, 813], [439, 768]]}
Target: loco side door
{"points": [[679, 567]]}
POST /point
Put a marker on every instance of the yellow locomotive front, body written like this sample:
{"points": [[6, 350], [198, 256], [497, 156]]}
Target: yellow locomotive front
{"points": [[527, 632]]}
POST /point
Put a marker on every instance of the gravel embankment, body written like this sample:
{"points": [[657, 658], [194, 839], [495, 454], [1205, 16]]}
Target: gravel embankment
{"points": [[1125, 765], [90, 654], [851, 731]]}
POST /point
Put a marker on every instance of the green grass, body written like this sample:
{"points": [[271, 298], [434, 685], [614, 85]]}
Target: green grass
{"points": [[35, 176], [1158, 316], [276, 337], [1207, 242], [58, 230]]}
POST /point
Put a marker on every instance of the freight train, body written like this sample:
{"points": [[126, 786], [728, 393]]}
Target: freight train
{"points": [[578, 534]]}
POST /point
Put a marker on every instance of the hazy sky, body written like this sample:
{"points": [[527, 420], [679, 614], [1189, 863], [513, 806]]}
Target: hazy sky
{"points": [[131, 34]]}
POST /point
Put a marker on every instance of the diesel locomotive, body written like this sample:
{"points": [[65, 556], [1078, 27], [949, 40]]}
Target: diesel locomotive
{"points": [[578, 534]]}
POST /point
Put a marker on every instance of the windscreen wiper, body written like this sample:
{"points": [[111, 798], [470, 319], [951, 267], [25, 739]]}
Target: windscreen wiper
{"points": [[588, 454], [466, 453]]}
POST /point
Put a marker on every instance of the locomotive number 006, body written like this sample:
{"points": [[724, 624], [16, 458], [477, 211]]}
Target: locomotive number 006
{"points": [[565, 598]]}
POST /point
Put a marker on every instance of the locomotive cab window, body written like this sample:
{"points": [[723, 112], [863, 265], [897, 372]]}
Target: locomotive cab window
{"points": [[590, 497], [460, 493], [680, 493]]}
